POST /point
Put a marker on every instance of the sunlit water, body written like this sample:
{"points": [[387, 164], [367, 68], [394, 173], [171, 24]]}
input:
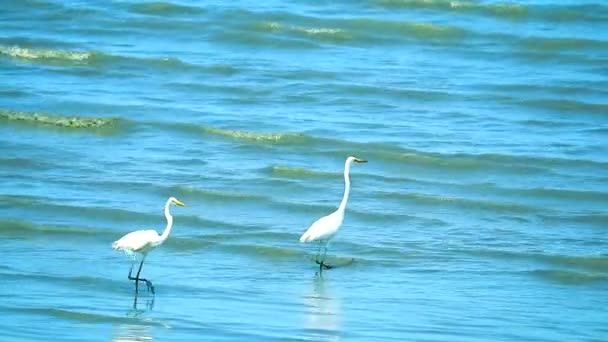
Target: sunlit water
{"points": [[481, 215]]}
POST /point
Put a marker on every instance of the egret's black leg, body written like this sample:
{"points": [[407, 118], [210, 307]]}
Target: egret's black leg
{"points": [[321, 262], [135, 302], [319, 251], [149, 285], [137, 279], [322, 265]]}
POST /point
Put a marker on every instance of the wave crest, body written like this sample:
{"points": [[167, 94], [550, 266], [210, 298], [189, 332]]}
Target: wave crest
{"points": [[36, 54], [267, 137], [569, 277], [164, 8], [74, 122]]}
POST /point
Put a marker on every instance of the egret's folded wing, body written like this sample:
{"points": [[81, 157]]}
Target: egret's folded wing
{"points": [[135, 241], [322, 228]]}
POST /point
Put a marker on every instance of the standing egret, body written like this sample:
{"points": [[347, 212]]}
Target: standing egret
{"points": [[143, 241], [326, 227]]}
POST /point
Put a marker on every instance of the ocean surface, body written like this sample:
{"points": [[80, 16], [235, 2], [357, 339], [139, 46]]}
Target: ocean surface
{"points": [[482, 214]]}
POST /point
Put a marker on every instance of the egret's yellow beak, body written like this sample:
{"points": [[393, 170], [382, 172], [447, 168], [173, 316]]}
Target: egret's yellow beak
{"points": [[176, 202], [357, 160]]}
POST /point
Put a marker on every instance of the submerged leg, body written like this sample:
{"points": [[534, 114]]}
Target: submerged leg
{"points": [[321, 262], [149, 285], [137, 279], [319, 251]]}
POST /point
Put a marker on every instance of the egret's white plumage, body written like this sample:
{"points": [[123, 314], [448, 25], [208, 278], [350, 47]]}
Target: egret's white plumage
{"points": [[143, 241], [327, 226], [324, 228]]}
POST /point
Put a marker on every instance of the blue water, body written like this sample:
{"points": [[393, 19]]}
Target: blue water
{"points": [[481, 215]]}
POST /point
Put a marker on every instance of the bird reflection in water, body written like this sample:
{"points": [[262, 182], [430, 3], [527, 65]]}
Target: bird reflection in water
{"points": [[133, 333], [138, 328], [323, 316], [141, 305]]}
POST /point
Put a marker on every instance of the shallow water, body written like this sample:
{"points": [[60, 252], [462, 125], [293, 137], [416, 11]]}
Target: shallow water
{"points": [[481, 214]]}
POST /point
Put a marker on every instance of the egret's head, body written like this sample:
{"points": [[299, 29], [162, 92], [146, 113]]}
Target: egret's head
{"points": [[175, 201], [355, 159]]}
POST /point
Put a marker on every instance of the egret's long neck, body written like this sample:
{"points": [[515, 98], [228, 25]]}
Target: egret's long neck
{"points": [[167, 231], [346, 186]]}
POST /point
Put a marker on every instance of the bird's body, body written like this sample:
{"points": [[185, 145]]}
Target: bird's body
{"points": [[143, 241], [325, 228]]}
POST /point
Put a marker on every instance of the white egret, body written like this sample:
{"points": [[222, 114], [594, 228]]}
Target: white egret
{"points": [[326, 227], [143, 241]]}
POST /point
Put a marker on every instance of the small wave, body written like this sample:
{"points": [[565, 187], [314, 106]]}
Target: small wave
{"points": [[553, 12], [216, 195], [470, 204], [318, 31], [24, 163], [497, 9], [188, 244], [223, 69], [595, 263], [83, 317], [387, 152], [393, 92], [296, 172], [552, 44], [20, 228], [280, 253], [13, 93], [418, 30], [164, 8], [272, 252], [309, 31], [459, 161], [561, 105], [547, 123], [45, 54], [100, 283], [576, 195], [569, 277], [99, 59], [225, 240], [327, 33], [254, 136], [380, 152], [237, 134], [598, 220], [597, 130], [112, 215], [583, 12], [583, 88], [530, 162], [240, 91], [72, 122]]}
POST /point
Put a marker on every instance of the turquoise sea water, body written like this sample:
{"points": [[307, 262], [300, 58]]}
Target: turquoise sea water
{"points": [[482, 214]]}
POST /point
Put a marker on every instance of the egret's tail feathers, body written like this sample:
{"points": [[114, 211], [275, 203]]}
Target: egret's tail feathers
{"points": [[305, 237], [116, 245]]}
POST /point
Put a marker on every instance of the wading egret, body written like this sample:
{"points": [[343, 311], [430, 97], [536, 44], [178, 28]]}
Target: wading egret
{"points": [[326, 227], [143, 241]]}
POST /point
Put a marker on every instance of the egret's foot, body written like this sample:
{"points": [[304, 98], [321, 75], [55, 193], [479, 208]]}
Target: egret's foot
{"points": [[322, 265], [150, 286]]}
